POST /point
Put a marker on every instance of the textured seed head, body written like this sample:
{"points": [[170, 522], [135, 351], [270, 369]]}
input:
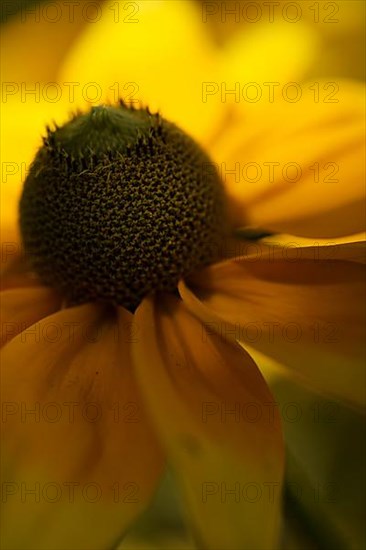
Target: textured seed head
{"points": [[118, 203]]}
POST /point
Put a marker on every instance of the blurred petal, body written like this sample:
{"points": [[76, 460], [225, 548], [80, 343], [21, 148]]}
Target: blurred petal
{"points": [[341, 30], [191, 380], [74, 432], [11, 254], [15, 270], [23, 124], [257, 54], [38, 32], [290, 248], [23, 307], [155, 52], [353, 251], [297, 306], [299, 168]]}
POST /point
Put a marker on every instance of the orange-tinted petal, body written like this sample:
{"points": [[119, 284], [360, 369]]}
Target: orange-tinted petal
{"points": [[74, 432], [16, 271], [23, 307], [213, 411], [296, 305], [332, 249]]}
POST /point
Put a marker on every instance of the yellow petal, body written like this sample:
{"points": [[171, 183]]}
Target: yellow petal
{"points": [[23, 124], [297, 306], [251, 65], [211, 406], [299, 167], [156, 52], [341, 31], [24, 307], [34, 42], [277, 51], [75, 432]]}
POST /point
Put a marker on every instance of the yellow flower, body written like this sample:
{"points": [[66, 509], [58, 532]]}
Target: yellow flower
{"points": [[95, 398]]}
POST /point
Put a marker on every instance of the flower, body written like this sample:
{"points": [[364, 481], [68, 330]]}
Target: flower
{"points": [[99, 398]]}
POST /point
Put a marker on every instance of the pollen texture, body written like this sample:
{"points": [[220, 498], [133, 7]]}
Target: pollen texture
{"points": [[119, 203]]}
